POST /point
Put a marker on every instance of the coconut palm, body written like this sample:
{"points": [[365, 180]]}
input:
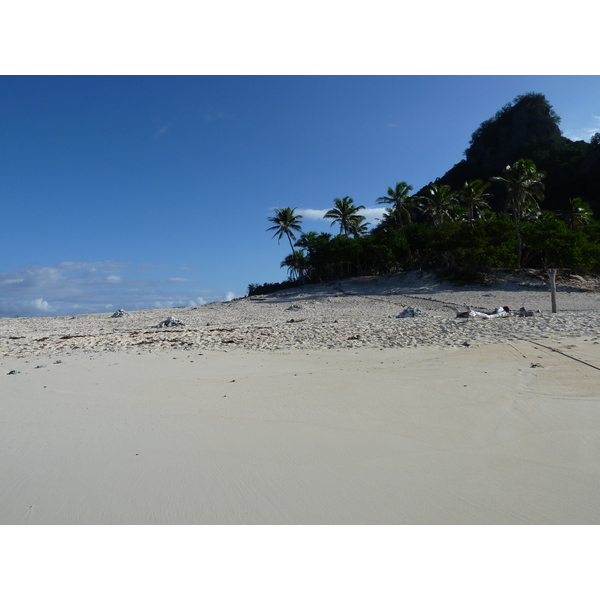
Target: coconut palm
{"points": [[285, 222], [360, 227], [402, 205], [438, 202], [524, 190], [297, 264], [578, 213], [390, 219], [473, 195], [346, 214], [307, 240]]}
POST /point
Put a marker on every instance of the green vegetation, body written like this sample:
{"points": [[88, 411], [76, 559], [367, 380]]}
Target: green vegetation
{"points": [[525, 189], [346, 214], [481, 215], [286, 222]]}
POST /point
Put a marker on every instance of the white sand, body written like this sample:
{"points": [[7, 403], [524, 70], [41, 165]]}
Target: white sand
{"points": [[243, 416]]}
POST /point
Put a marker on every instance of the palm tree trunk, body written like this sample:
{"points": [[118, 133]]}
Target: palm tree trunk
{"points": [[519, 242], [289, 237], [410, 258]]}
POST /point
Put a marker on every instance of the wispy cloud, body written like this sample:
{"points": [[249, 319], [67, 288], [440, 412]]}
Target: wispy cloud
{"points": [[373, 214], [162, 130], [585, 133], [93, 287], [314, 214]]}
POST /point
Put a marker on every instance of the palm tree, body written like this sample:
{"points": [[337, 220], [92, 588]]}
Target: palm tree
{"points": [[473, 195], [360, 227], [346, 214], [286, 222], [578, 213], [438, 203], [402, 203], [401, 199], [315, 245], [307, 240], [297, 264], [524, 190]]}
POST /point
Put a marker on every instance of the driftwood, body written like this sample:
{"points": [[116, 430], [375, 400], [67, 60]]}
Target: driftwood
{"points": [[552, 277], [501, 312], [498, 313]]}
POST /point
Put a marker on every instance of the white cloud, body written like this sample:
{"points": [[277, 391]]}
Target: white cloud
{"points": [[85, 287], [585, 133], [37, 307], [199, 301], [176, 280], [312, 214], [372, 214], [40, 304], [229, 296], [105, 265]]}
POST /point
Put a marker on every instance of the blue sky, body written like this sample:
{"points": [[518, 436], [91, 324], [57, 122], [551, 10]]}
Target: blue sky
{"points": [[139, 192]]}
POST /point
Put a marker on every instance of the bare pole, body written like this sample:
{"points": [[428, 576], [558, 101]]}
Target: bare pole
{"points": [[552, 277]]}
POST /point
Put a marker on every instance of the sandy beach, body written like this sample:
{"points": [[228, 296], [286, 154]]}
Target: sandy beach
{"points": [[316, 405]]}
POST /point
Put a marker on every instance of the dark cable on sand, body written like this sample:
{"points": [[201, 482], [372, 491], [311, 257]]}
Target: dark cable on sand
{"points": [[564, 354]]}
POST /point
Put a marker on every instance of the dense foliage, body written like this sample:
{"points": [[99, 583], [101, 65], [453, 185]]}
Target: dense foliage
{"points": [[490, 211], [255, 289], [528, 127], [463, 252]]}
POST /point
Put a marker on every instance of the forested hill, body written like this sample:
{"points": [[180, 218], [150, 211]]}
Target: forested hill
{"points": [[528, 128]]}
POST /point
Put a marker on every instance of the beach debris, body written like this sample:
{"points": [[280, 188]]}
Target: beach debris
{"points": [[171, 322], [502, 312], [411, 311], [13, 372], [499, 312], [536, 366], [294, 307], [118, 314], [552, 279]]}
